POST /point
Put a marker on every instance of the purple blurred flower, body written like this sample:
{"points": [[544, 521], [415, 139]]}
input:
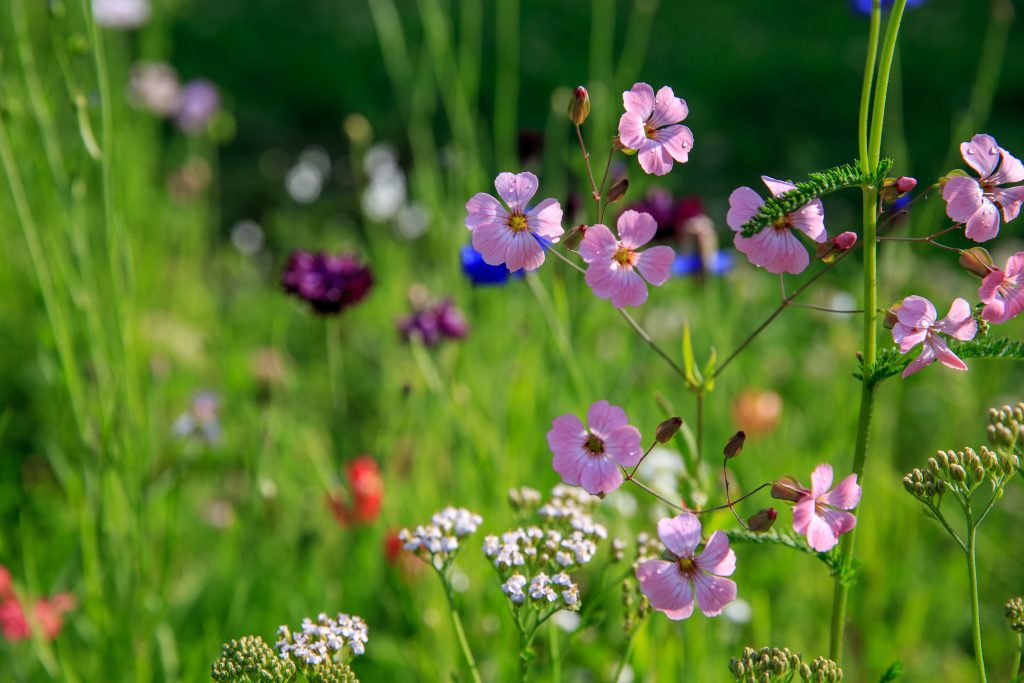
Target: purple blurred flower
{"points": [[669, 213], [864, 6], [201, 419], [480, 272], [694, 263], [328, 283], [198, 102], [434, 323]]}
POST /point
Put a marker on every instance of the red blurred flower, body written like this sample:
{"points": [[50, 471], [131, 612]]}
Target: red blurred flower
{"points": [[48, 612], [366, 489]]}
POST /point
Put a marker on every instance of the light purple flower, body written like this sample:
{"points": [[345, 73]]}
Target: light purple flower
{"points": [[198, 102], [775, 248], [820, 514], [977, 203], [651, 127], [615, 266], [672, 585], [512, 236], [1002, 291], [591, 457], [917, 324]]}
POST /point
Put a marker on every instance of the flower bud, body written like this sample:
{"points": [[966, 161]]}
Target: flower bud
{"points": [[894, 188], [787, 488], [579, 105], [667, 429], [762, 520], [617, 191], [735, 445], [891, 315], [830, 251], [575, 236], [958, 473], [977, 261]]}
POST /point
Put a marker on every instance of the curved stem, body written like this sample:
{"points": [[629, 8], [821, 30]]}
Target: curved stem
{"points": [[972, 577], [460, 633]]}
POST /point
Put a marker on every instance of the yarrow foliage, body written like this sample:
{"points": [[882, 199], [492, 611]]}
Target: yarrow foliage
{"points": [[250, 659]]}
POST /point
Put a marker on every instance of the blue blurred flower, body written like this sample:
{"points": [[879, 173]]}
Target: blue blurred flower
{"points": [[480, 272], [864, 6], [693, 264]]}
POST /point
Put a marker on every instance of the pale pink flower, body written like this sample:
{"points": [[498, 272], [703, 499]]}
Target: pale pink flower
{"points": [[1002, 291], [616, 265], [976, 203], [671, 585], [776, 248], [513, 236], [591, 457], [819, 514], [917, 324], [651, 127]]}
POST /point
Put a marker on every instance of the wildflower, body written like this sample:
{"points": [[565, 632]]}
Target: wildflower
{"points": [[514, 236], [776, 248], [437, 543], [1002, 291], [1015, 614], [47, 613], [248, 658], [650, 126], [202, 418], [615, 266], [121, 14], [433, 323], [820, 513], [197, 104], [591, 457], [316, 642], [671, 585], [513, 588], [480, 272], [757, 412], [977, 203], [154, 86], [579, 106], [328, 283], [366, 487], [916, 324]]}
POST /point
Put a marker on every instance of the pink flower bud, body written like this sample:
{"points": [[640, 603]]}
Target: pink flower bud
{"points": [[787, 488], [845, 240], [762, 520], [905, 184], [579, 105], [977, 261], [667, 429]]}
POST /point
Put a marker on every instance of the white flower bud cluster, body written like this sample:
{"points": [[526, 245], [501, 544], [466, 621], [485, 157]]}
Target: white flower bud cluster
{"points": [[438, 541], [318, 641]]}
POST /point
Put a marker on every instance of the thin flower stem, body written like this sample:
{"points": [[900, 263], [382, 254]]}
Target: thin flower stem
{"points": [[728, 500], [742, 498], [646, 453], [825, 309], [604, 180], [553, 647], [699, 436], [972, 577], [590, 173], [1018, 657], [624, 660], [654, 493], [949, 529], [460, 633]]}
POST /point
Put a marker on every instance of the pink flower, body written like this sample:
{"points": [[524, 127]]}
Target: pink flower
{"points": [[916, 324], [844, 241], [775, 248], [1002, 291], [650, 126], [513, 236], [819, 513], [591, 457], [670, 585], [615, 265], [977, 202]]}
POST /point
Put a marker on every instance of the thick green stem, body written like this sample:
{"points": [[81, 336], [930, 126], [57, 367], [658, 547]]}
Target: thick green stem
{"points": [[460, 633], [972, 577], [865, 92], [1018, 657]]}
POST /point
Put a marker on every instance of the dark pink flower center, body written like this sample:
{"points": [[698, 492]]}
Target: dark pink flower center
{"points": [[687, 567], [781, 224], [516, 221], [649, 130], [594, 444], [625, 257]]}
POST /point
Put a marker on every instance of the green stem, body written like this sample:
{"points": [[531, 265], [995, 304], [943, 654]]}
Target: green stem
{"points": [[624, 660], [332, 330], [892, 30], [1018, 657], [972, 577], [556, 659], [460, 632], [865, 92]]}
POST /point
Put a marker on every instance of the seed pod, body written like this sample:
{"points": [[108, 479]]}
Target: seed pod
{"points": [[617, 191], [735, 445], [579, 105], [667, 429], [762, 520]]}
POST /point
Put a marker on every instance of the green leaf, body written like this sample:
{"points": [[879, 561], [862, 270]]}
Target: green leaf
{"points": [[709, 370], [689, 364], [891, 362]]}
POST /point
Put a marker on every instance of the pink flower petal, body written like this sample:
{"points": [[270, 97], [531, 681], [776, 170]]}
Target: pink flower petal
{"points": [[623, 446], [635, 228], [990, 284], [838, 521], [820, 535], [926, 357], [571, 464], [567, 433], [803, 513], [959, 322], [916, 311], [632, 132], [600, 475], [821, 480], [908, 337], [984, 224], [810, 219], [517, 189], [639, 100], [944, 353], [605, 418], [483, 209], [846, 495], [680, 534], [963, 196], [668, 108], [598, 244], [981, 154], [743, 204], [493, 242], [524, 251], [717, 557], [775, 250], [666, 588], [677, 141], [1010, 200], [655, 264], [713, 593], [1011, 170], [545, 219], [623, 286], [777, 187], [655, 159]]}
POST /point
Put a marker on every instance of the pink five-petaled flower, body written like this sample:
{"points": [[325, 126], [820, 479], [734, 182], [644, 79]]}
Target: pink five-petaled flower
{"points": [[615, 265], [775, 248], [670, 585], [977, 202], [591, 457], [917, 324], [651, 127], [512, 236], [819, 514], [1002, 291]]}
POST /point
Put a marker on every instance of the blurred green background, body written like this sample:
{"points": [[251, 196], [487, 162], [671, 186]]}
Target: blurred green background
{"points": [[126, 309]]}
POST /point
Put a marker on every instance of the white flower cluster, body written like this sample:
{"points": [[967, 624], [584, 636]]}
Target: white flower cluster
{"points": [[536, 546], [324, 639], [558, 590], [439, 540]]}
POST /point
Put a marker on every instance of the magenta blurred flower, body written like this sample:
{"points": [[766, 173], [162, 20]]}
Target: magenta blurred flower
{"points": [[615, 266], [591, 457], [651, 127], [513, 236], [328, 283], [434, 323], [672, 585], [917, 324], [977, 203], [775, 248], [820, 514], [198, 102], [1002, 291]]}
